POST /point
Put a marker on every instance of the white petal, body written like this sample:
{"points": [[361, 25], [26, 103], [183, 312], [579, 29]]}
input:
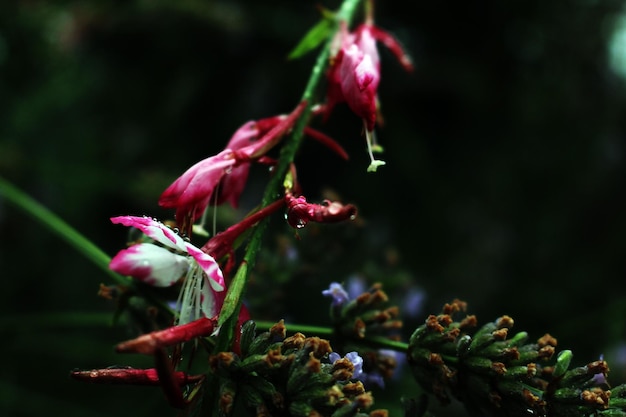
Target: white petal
{"points": [[151, 264]]}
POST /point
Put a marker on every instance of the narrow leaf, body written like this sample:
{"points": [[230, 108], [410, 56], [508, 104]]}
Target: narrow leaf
{"points": [[231, 302], [316, 35]]}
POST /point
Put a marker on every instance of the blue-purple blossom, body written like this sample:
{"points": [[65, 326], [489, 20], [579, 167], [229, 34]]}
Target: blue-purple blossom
{"points": [[413, 302], [600, 379], [356, 286], [337, 292], [357, 362], [354, 358]]}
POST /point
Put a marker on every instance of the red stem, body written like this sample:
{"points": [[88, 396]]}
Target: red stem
{"points": [[222, 243]]}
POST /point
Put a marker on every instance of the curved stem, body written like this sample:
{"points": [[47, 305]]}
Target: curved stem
{"points": [[56, 225], [66, 232]]}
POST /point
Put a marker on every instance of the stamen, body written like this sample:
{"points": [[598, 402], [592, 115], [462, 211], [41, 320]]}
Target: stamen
{"points": [[370, 138]]}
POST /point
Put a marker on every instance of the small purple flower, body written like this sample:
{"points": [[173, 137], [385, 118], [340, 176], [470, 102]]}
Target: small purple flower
{"points": [[354, 358], [600, 379], [413, 302], [357, 362], [338, 293], [356, 286]]}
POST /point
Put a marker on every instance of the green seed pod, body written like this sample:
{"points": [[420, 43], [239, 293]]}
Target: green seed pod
{"points": [[254, 363], [260, 344], [575, 377], [562, 363], [567, 395], [418, 334], [263, 386], [480, 365], [248, 333], [482, 338], [612, 412], [463, 344], [519, 372], [300, 409], [518, 339], [251, 396]]}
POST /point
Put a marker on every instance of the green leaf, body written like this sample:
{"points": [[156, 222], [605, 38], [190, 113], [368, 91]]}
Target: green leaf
{"points": [[231, 302], [316, 35]]}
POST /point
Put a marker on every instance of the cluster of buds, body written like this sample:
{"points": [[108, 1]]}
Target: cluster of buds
{"points": [[493, 374], [365, 316], [296, 375]]}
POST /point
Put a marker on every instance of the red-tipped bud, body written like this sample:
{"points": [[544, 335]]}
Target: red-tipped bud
{"points": [[149, 343], [131, 376]]}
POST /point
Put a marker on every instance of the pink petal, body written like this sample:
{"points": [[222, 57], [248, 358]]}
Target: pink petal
{"points": [[209, 265], [394, 46], [211, 301], [244, 136], [359, 83], [232, 185], [191, 192], [153, 229], [151, 264]]}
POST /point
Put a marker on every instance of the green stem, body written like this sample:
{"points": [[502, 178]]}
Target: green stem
{"points": [[56, 225], [287, 155], [66, 232], [55, 320], [375, 342]]}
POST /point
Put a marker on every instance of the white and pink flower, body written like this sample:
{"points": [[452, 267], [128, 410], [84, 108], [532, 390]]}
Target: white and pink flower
{"points": [[169, 260]]}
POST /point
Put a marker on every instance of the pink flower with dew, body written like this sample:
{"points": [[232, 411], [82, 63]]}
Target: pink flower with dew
{"points": [[165, 262], [191, 192], [354, 76], [359, 73], [234, 180]]}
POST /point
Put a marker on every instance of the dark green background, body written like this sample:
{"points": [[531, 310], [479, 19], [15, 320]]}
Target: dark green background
{"points": [[504, 183]]}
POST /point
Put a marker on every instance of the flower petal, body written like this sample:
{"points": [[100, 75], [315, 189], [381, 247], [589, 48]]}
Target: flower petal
{"points": [[244, 136], [191, 192], [153, 229], [209, 265], [151, 264], [210, 300], [359, 82]]}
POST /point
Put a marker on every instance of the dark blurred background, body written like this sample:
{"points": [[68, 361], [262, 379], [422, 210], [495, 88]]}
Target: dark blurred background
{"points": [[504, 183]]}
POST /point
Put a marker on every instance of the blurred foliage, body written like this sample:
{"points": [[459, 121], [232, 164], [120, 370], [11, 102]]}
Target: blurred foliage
{"points": [[503, 185]]}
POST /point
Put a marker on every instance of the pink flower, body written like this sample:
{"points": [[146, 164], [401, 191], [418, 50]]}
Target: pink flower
{"points": [[354, 76], [165, 263], [359, 75], [226, 172], [191, 192], [234, 180]]}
